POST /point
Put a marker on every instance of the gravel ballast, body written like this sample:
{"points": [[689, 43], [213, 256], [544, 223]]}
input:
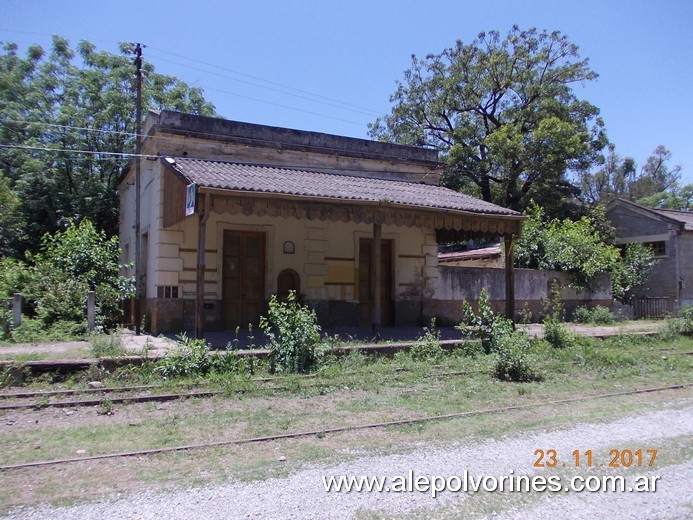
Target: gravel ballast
{"points": [[302, 495]]}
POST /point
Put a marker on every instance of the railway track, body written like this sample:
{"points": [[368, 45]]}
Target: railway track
{"points": [[41, 400], [341, 429]]}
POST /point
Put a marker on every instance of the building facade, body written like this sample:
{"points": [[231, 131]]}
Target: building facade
{"points": [[670, 236], [232, 213]]}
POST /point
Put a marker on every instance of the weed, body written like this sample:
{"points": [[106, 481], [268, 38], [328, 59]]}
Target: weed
{"points": [[293, 335], [106, 345], [555, 332], [105, 407], [427, 347], [514, 361], [188, 359], [485, 326]]}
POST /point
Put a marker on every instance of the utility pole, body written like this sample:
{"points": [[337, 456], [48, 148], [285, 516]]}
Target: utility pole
{"points": [[138, 151]]}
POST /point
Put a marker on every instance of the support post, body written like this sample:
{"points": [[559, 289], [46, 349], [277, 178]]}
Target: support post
{"points": [[376, 283], [91, 310], [16, 310], [509, 278], [138, 189], [200, 278]]}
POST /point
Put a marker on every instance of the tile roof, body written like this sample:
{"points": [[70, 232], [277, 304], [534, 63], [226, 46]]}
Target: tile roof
{"points": [[474, 254], [685, 217], [270, 179]]}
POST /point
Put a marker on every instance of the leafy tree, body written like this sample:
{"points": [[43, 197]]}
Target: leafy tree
{"points": [[503, 112], [576, 247], [11, 221], [71, 262], [632, 273], [583, 248], [655, 185], [609, 180], [66, 100], [656, 175]]}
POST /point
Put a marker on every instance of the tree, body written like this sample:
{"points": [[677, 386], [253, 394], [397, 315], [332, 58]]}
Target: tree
{"points": [[655, 185], [583, 248], [656, 176], [71, 262], [503, 113], [576, 247], [11, 221], [610, 180], [67, 101]]}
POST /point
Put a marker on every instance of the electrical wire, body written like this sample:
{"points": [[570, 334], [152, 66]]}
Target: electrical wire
{"points": [[306, 92], [334, 104]]}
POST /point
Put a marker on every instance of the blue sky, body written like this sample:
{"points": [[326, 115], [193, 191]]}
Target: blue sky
{"points": [[330, 66]]}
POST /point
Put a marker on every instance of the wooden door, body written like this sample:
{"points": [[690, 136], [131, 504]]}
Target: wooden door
{"points": [[243, 279], [365, 290]]}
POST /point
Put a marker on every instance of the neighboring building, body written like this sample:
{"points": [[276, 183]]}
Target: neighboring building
{"points": [[352, 225], [670, 235]]}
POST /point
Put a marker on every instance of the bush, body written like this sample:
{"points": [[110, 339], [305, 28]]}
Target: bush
{"points": [[35, 331], [485, 326], [682, 323], [293, 335], [189, 359], [54, 283], [514, 361], [555, 332], [427, 347], [582, 315], [599, 315]]}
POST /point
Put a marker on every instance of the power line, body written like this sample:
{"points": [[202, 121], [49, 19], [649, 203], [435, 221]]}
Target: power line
{"points": [[191, 133], [66, 150], [312, 94], [284, 106], [335, 104]]}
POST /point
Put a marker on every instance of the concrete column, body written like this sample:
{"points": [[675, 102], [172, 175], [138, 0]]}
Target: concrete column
{"points": [[91, 310], [16, 310]]}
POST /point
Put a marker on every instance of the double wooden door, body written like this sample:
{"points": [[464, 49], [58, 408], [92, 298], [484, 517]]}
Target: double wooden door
{"points": [[243, 279]]}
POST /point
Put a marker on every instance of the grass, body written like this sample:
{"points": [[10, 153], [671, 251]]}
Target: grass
{"points": [[353, 390]]}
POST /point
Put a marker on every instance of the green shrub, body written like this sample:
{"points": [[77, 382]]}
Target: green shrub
{"points": [[485, 326], [602, 316], [427, 347], [189, 359], [582, 315], [555, 331], [35, 331], [514, 361], [598, 315], [293, 335], [685, 314], [557, 334], [682, 323]]}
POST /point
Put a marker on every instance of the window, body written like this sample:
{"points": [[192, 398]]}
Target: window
{"points": [[658, 248]]}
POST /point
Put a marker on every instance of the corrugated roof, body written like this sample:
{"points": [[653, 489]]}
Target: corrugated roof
{"points": [[269, 179]]}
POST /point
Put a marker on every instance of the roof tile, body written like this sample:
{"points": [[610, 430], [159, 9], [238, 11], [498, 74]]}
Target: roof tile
{"points": [[269, 179]]}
